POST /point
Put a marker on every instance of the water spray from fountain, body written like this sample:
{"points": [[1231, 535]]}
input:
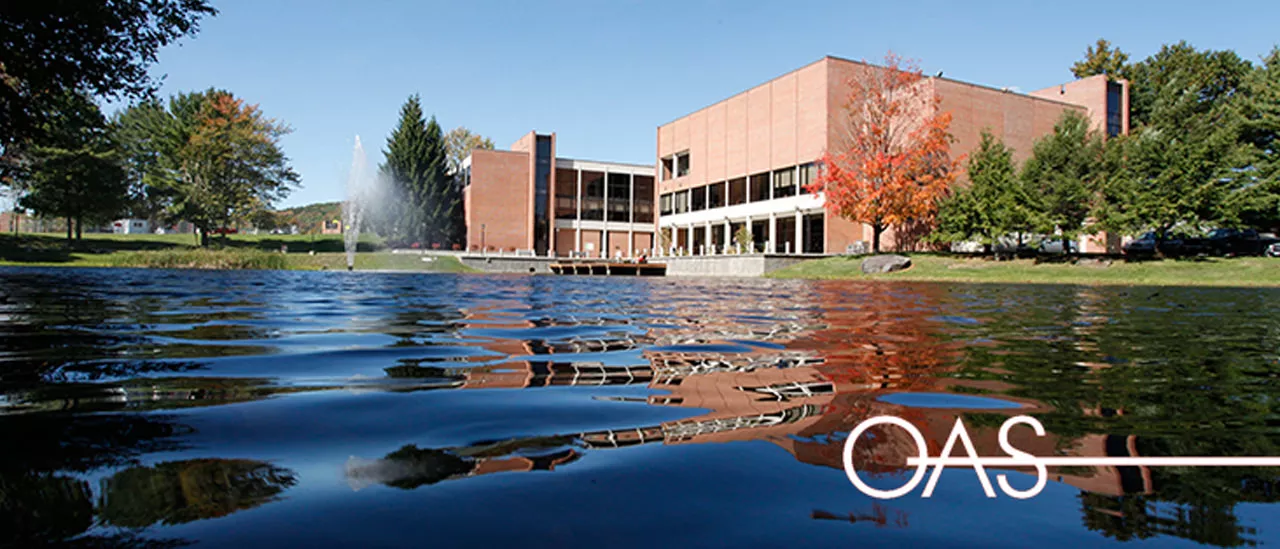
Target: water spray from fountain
{"points": [[359, 190]]}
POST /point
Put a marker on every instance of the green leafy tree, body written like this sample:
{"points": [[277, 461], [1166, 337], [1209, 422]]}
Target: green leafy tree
{"points": [[73, 169], [460, 142], [1101, 58], [1179, 82], [210, 158], [1165, 178], [176, 492], [993, 205], [1062, 175], [1258, 198], [53, 47], [1186, 162], [428, 205]]}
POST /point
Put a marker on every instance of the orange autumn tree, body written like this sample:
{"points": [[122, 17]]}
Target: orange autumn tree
{"points": [[890, 160], [210, 158]]}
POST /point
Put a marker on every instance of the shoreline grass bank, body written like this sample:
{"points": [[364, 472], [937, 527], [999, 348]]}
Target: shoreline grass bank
{"points": [[1240, 271], [238, 252]]}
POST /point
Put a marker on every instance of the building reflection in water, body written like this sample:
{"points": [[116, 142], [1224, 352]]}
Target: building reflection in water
{"points": [[803, 388]]}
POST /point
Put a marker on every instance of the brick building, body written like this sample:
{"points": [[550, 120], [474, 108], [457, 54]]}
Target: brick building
{"points": [[744, 162], [741, 163], [527, 199]]}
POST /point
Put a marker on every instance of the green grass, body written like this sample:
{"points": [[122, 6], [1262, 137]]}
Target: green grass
{"points": [[1244, 271], [234, 252], [377, 261], [227, 258]]}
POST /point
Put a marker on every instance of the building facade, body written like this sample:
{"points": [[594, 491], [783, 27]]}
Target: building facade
{"points": [[527, 200], [742, 164]]}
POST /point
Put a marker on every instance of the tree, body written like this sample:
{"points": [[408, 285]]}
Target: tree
{"points": [[1258, 200], [1165, 179], [1179, 81], [73, 169], [1101, 58], [429, 205], [1062, 174], [993, 205], [460, 142], [102, 48], [1186, 162], [891, 161], [210, 158]]}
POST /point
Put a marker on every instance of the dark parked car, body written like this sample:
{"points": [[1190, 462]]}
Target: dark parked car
{"points": [[1240, 242], [1173, 245]]}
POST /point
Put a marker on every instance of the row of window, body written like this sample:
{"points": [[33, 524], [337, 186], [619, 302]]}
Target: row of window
{"points": [[618, 207], [762, 186], [676, 165]]}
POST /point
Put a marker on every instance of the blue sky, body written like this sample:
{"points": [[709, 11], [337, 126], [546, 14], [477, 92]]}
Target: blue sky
{"points": [[605, 74]]}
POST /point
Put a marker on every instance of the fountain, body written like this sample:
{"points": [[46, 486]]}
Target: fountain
{"points": [[359, 186]]}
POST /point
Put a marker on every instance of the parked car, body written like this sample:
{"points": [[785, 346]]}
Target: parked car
{"points": [[1054, 246], [1240, 241], [1173, 245], [1274, 250]]}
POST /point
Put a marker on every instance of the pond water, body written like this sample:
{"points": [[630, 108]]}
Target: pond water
{"points": [[160, 407]]}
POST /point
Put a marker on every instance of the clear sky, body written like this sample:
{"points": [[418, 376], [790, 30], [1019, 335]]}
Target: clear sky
{"points": [[604, 74]]}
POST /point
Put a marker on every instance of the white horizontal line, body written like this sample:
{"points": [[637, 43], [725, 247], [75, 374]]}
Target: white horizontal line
{"points": [[1260, 461]]}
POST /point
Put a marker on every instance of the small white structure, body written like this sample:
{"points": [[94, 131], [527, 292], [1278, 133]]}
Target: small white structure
{"points": [[130, 226]]}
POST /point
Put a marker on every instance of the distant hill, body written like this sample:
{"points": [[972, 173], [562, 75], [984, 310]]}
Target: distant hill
{"points": [[310, 217]]}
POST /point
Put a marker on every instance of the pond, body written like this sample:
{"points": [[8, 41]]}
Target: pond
{"points": [[159, 407]]}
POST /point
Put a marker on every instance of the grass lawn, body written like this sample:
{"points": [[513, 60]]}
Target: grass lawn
{"points": [[1243, 271], [236, 251]]}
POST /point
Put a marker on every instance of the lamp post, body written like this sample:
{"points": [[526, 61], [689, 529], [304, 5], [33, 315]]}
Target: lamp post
{"points": [[483, 249]]}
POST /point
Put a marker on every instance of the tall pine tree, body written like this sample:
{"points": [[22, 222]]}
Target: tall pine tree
{"points": [[993, 205], [1062, 175], [427, 205]]}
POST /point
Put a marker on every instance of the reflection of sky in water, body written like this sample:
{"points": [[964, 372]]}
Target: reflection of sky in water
{"points": [[592, 411], [944, 400]]}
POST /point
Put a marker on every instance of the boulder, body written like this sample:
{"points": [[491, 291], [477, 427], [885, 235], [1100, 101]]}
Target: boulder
{"points": [[885, 263]]}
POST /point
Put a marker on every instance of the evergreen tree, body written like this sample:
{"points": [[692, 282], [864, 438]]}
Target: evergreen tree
{"points": [[993, 205], [73, 169], [1062, 175], [406, 167], [1179, 82], [1258, 198], [445, 221], [1101, 58], [1185, 162], [429, 204]]}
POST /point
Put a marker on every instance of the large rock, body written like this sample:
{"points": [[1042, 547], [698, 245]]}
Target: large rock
{"points": [[885, 263]]}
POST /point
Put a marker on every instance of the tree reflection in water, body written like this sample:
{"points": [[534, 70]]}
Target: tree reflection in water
{"points": [[45, 498]]}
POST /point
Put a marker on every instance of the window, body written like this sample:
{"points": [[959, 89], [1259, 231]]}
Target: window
{"points": [[1115, 111], [784, 183], [593, 196], [566, 194], [698, 200], [682, 202], [738, 191], [808, 172], [715, 198], [759, 187], [682, 164], [542, 195], [668, 168], [664, 204], [644, 199], [619, 197]]}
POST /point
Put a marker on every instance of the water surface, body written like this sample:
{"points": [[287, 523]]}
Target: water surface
{"points": [[146, 407]]}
